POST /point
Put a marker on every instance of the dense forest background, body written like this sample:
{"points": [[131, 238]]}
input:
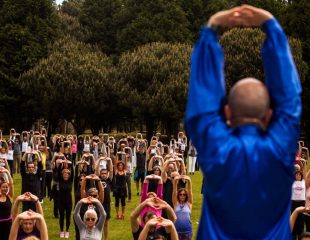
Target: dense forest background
{"points": [[124, 64]]}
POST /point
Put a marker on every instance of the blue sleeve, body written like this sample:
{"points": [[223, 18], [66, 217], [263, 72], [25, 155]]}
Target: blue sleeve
{"points": [[206, 88], [282, 81]]}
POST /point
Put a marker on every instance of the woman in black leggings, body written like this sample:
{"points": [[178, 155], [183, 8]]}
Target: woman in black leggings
{"points": [[65, 180], [120, 191], [6, 195]]}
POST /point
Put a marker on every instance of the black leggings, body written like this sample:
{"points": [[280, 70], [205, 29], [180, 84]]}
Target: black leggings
{"points": [[5, 230], [122, 201], [299, 224], [48, 184], [65, 208]]}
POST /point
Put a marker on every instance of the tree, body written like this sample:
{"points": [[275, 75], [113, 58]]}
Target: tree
{"points": [[155, 79], [297, 22], [98, 17], [26, 29], [152, 21], [72, 7], [242, 54], [72, 83]]}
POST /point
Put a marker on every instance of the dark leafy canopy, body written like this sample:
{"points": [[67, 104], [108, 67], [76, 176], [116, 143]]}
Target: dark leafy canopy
{"points": [[242, 48], [98, 17], [120, 25], [72, 7], [151, 21], [297, 22], [73, 82], [156, 77], [26, 29]]}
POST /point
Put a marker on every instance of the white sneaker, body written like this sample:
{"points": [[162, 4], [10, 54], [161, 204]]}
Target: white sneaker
{"points": [[66, 234], [62, 235]]}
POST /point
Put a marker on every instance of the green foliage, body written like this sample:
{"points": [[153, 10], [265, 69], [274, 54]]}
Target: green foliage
{"points": [[26, 29], [72, 7], [156, 78], [99, 19], [73, 82], [242, 49], [70, 25], [152, 21], [119, 25]]}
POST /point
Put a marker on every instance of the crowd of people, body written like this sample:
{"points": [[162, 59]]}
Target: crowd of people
{"points": [[99, 167], [82, 173]]}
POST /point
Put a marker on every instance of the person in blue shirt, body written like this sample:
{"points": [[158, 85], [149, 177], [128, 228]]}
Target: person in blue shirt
{"points": [[246, 148]]}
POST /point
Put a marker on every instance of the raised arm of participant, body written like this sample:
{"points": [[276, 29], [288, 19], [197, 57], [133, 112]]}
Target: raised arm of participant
{"points": [[148, 226], [109, 160], [76, 214], [16, 205], [175, 191], [41, 225], [35, 199], [83, 188], [11, 185], [295, 214], [170, 228], [103, 214], [189, 190], [150, 166], [282, 81], [165, 206], [207, 86], [183, 168], [134, 216], [101, 189]]}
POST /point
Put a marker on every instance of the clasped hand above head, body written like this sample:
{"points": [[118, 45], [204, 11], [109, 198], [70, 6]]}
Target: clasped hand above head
{"points": [[244, 15]]}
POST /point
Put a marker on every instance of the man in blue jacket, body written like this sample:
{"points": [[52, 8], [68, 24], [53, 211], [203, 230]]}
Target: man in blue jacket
{"points": [[246, 149]]}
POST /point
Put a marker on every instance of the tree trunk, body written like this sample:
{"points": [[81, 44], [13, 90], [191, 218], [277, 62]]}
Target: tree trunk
{"points": [[150, 127]]}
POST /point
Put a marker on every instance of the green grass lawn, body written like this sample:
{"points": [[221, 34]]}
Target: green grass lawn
{"points": [[117, 229]]}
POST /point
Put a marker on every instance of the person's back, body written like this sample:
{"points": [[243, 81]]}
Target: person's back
{"points": [[248, 163]]}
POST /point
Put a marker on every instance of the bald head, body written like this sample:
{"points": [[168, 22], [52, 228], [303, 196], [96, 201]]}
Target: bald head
{"points": [[248, 99]]}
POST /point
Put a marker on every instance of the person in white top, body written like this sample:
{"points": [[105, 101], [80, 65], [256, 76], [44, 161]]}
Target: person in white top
{"points": [[299, 198], [192, 157]]}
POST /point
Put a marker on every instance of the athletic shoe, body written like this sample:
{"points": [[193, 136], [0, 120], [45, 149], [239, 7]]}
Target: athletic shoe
{"points": [[118, 217], [122, 217], [62, 235], [66, 234]]}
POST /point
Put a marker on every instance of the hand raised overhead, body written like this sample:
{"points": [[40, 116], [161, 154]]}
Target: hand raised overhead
{"points": [[244, 15]]}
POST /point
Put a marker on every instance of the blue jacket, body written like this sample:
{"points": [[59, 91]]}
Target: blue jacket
{"points": [[249, 172]]}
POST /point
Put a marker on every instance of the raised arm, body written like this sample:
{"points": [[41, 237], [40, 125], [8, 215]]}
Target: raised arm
{"points": [[207, 86], [83, 188], [11, 185], [101, 189], [41, 225], [175, 192], [103, 214], [76, 215], [283, 83], [150, 166], [295, 214], [189, 190], [134, 216]]}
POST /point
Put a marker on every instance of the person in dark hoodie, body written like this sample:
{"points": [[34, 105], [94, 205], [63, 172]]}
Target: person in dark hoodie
{"points": [[31, 174]]}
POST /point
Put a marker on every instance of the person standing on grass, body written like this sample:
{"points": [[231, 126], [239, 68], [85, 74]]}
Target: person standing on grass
{"points": [[91, 226], [6, 199], [249, 162], [31, 175]]}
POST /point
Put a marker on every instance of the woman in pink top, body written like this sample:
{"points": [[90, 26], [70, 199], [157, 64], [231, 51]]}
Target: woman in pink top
{"points": [[74, 149], [146, 194]]}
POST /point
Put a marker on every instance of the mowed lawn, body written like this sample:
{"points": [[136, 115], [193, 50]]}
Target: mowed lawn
{"points": [[118, 229]]}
